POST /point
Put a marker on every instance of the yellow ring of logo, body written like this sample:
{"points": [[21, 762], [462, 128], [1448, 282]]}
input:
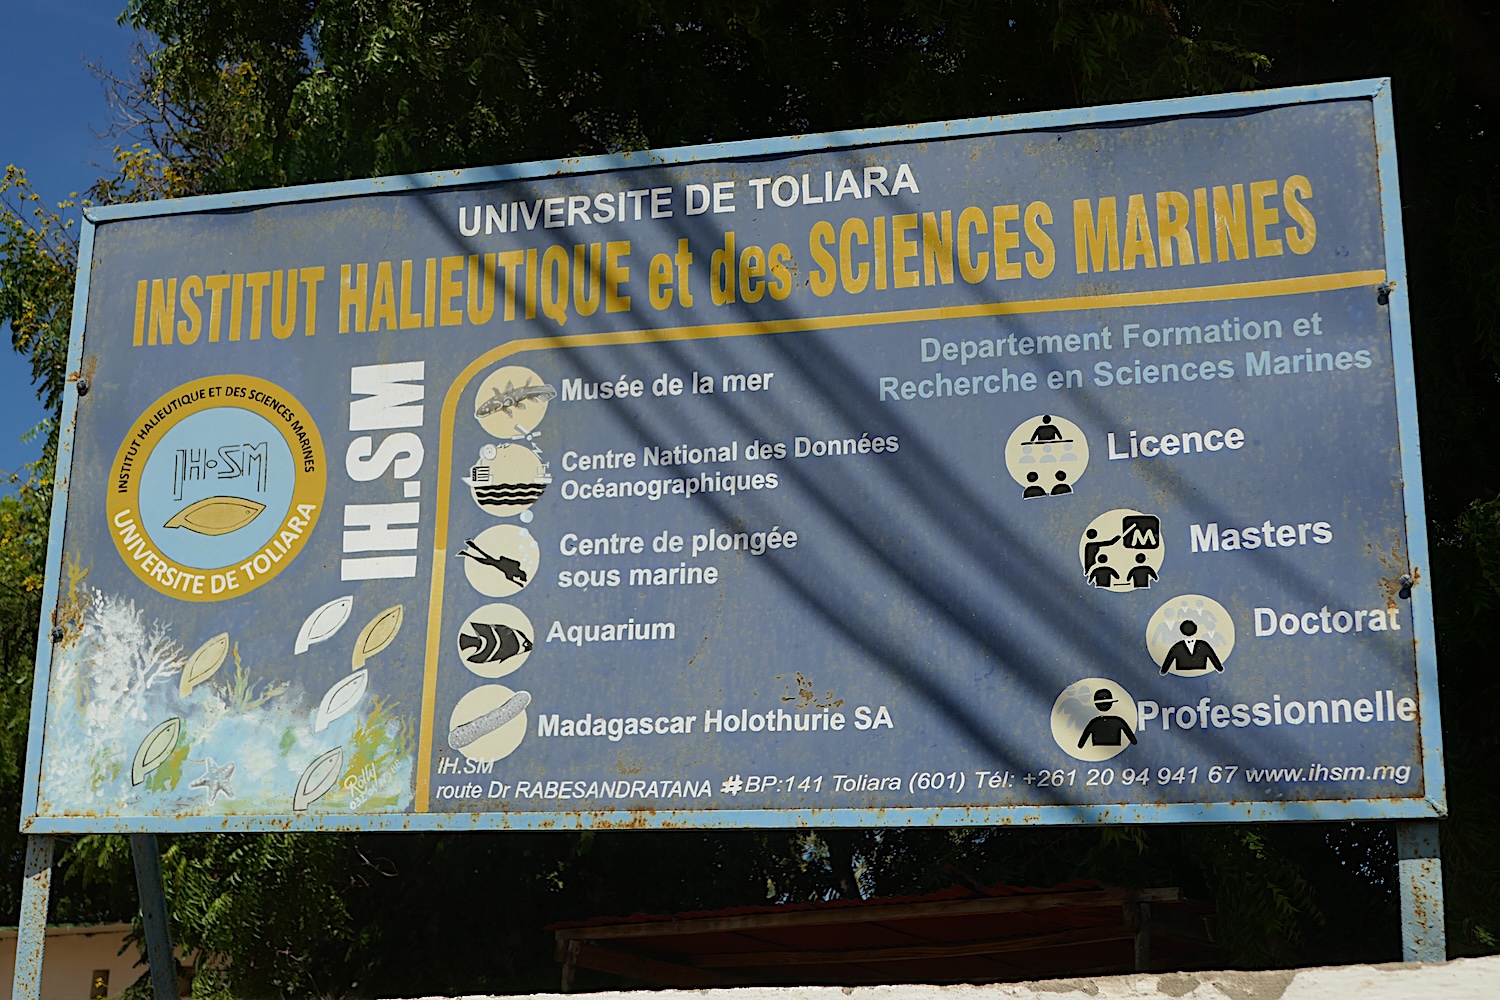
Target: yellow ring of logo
{"points": [[132, 537]]}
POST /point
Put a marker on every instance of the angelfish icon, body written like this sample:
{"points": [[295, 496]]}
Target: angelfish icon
{"points": [[492, 643]]}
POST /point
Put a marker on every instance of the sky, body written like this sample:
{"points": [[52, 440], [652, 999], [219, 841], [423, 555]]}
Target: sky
{"points": [[54, 110]]}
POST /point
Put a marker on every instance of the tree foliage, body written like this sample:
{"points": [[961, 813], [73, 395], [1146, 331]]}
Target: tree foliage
{"points": [[233, 94]]}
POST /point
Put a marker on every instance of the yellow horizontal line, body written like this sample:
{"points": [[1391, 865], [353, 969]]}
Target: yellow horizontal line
{"points": [[1071, 303]]}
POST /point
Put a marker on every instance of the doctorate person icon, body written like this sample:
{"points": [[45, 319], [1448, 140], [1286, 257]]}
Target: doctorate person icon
{"points": [[1106, 730], [1190, 635], [1189, 655]]}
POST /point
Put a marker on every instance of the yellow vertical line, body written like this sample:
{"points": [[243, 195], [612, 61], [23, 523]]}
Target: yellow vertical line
{"points": [[435, 593]]}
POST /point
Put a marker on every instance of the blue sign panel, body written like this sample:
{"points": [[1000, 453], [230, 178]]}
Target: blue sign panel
{"points": [[1051, 469]]}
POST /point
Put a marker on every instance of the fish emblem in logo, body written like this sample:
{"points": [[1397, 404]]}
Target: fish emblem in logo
{"points": [[216, 515], [495, 640]]}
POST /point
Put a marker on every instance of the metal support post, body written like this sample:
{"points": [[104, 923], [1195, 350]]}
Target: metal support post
{"points": [[1143, 938], [154, 915], [31, 939], [1420, 872]]}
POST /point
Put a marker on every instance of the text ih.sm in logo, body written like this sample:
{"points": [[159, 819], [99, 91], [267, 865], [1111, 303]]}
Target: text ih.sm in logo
{"points": [[216, 488]]}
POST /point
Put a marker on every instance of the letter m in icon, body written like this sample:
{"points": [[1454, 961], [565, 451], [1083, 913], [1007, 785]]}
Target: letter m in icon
{"points": [[1141, 531]]}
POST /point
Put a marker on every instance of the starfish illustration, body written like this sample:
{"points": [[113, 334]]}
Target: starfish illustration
{"points": [[214, 780]]}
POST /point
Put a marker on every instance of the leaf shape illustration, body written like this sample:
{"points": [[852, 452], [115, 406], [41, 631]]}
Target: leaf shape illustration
{"points": [[216, 515], [324, 622], [154, 749], [321, 775], [341, 698], [377, 635], [203, 664]]}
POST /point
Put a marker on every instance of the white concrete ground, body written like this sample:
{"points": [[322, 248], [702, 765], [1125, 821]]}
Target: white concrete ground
{"points": [[1461, 979]]}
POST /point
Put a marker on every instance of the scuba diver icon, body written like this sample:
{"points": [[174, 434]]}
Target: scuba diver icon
{"points": [[506, 566]]}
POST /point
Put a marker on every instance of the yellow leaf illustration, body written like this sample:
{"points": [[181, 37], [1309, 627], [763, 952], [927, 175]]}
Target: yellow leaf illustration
{"points": [[204, 662], [216, 515], [377, 635], [155, 748]]}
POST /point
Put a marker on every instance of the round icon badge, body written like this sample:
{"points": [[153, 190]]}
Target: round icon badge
{"points": [[1190, 636], [216, 488], [495, 640], [499, 561], [489, 722], [1122, 550], [507, 480], [1046, 455], [1094, 719], [512, 401]]}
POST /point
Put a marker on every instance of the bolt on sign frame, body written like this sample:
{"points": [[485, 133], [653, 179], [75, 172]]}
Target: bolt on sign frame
{"points": [[1048, 468]]}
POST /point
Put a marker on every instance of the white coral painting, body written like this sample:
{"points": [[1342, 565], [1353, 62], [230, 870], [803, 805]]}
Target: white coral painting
{"points": [[244, 741]]}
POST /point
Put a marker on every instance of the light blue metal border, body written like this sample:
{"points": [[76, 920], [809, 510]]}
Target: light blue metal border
{"points": [[1433, 806], [753, 148], [1418, 562], [1216, 812], [60, 479]]}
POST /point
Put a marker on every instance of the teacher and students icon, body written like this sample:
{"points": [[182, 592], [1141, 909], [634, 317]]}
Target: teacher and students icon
{"points": [[1121, 550], [1102, 574], [1047, 433], [1046, 454]]}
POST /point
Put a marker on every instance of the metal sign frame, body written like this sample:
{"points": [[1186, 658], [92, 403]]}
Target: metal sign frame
{"points": [[1432, 806], [1419, 865]]}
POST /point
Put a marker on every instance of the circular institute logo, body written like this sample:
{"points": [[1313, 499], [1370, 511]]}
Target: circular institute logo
{"points": [[217, 487]]}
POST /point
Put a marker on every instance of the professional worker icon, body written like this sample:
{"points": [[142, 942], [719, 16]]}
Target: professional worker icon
{"points": [[1094, 719], [1106, 730]]}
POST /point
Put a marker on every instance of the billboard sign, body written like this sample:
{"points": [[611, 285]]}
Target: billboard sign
{"points": [[1052, 468]]}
